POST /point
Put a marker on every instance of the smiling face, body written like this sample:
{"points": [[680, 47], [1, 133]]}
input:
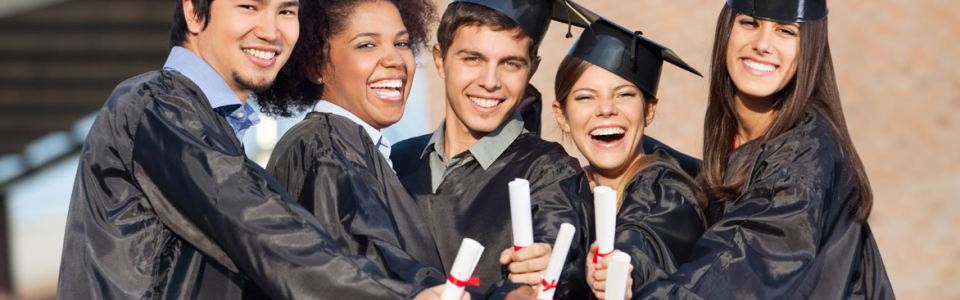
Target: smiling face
{"points": [[371, 64], [604, 114], [762, 55], [246, 42], [485, 73]]}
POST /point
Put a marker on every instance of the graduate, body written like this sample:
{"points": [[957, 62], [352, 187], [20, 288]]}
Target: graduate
{"points": [[166, 205], [458, 175], [791, 197], [606, 91], [359, 60]]}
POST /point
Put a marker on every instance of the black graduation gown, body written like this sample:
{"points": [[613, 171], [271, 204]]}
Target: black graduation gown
{"points": [[166, 205], [475, 203], [791, 234], [691, 165], [659, 220], [331, 166]]}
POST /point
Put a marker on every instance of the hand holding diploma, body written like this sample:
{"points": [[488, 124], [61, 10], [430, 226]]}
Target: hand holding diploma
{"points": [[599, 274], [526, 260]]}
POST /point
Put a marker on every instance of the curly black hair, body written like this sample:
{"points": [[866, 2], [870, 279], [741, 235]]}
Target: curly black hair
{"points": [[293, 90]]}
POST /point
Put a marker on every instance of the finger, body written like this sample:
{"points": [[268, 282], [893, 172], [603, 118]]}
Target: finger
{"points": [[532, 265], [600, 295], [505, 256], [532, 251], [526, 278], [600, 275]]}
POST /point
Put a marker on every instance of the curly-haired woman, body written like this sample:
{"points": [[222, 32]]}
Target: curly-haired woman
{"points": [[353, 66]]}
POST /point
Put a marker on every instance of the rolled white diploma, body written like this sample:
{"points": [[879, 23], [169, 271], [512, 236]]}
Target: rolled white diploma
{"points": [[520, 215], [605, 209], [559, 255], [617, 275], [462, 270]]}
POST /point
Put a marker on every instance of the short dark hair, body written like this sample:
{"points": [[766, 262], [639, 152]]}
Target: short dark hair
{"points": [[293, 89], [460, 14], [178, 33]]}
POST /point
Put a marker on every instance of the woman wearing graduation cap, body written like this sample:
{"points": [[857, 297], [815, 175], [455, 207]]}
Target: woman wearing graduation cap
{"points": [[791, 197], [606, 95]]}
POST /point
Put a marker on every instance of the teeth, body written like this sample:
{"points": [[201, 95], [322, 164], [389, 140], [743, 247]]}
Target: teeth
{"points": [[391, 94], [387, 84], [265, 55], [607, 131], [759, 66], [484, 102]]}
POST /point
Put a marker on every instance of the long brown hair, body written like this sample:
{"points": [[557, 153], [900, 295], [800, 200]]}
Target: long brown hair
{"points": [[571, 69], [814, 86]]}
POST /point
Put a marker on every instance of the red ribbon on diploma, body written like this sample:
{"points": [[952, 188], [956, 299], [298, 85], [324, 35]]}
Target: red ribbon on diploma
{"points": [[598, 254], [473, 281], [517, 248], [548, 285]]}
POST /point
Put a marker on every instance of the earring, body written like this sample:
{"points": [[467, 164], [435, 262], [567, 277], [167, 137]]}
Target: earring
{"points": [[319, 80]]}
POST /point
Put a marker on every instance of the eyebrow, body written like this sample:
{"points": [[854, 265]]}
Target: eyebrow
{"points": [[289, 3], [365, 34]]}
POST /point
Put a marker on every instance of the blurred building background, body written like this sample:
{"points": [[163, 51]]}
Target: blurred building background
{"points": [[895, 59]]}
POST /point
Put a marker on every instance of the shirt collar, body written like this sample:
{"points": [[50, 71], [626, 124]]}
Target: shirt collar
{"points": [[197, 70], [329, 107], [488, 148], [220, 96]]}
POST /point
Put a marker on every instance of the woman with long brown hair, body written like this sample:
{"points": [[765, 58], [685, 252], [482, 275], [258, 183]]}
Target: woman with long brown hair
{"points": [[790, 197], [606, 96]]}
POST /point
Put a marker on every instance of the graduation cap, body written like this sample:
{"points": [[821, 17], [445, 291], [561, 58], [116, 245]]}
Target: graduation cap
{"points": [[628, 54], [534, 16], [784, 11]]}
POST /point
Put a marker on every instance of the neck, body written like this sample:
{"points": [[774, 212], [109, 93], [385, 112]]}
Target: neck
{"points": [[456, 136], [754, 116], [242, 95]]}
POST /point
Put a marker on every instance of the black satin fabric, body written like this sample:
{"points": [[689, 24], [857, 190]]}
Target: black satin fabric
{"points": [[474, 203], [791, 234], [691, 165], [331, 166], [166, 205], [659, 220]]}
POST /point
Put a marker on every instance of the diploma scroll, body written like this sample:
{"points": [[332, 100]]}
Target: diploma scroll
{"points": [[617, 272], [520, 215], [605, 208], [462, 270], [559, 255]]}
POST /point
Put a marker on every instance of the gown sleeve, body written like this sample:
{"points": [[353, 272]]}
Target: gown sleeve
{"points": [[767, 239], [658, 222], [559, 194], [183, 163]]}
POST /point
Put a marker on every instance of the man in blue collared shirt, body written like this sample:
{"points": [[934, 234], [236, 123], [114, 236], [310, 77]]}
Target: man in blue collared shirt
{"points": [[166, 205]]}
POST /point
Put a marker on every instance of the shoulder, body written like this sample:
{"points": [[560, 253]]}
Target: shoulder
{"points": [[806, 154], [691, 165], [545, 158], [662, 174], [405, 154], [409, 149]]}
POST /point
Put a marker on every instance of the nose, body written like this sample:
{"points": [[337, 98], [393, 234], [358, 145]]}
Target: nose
{"points": [[606, 107], [393, 58], [762, 41], [490, 78], [267, 28]]}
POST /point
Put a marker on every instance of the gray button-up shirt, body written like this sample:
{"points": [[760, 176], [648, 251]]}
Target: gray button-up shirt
{"points": [[485, 151]]}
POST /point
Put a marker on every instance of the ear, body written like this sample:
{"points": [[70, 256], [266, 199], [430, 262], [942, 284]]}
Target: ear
{"points": [[651, 111], [534, 65], [194, 22], [561, 117], [438, 61]]}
